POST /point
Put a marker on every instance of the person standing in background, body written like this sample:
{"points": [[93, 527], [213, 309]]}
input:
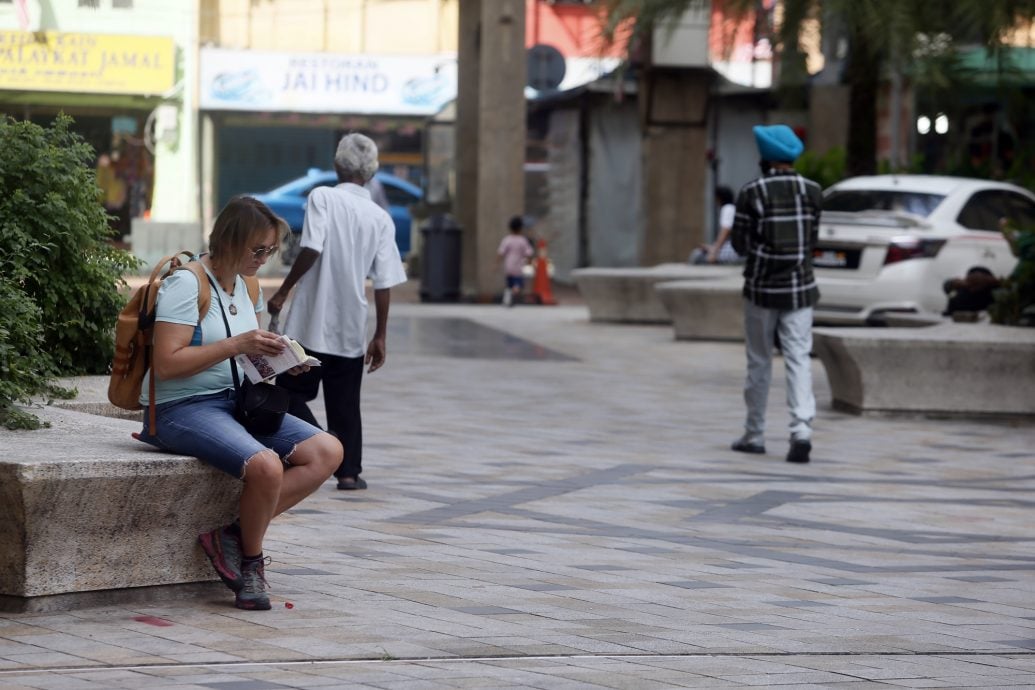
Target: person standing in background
{"points": [[776, 228], [114, 192], [514, 252], [346, 238]]}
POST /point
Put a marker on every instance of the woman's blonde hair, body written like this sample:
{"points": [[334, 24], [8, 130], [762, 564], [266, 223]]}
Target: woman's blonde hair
{"points": [[241, 221]]}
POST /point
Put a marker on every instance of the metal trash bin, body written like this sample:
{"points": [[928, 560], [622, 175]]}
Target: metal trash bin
{"points": [[440, 259]]}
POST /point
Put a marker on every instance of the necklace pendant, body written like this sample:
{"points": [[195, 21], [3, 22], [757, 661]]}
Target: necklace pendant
{"points": [[232, 310]]}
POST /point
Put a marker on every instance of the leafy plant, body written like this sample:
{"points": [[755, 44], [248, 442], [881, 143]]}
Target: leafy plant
{"points": [[24, 367], [1014, 303], [918, 38], [824, 168], [61, 277]]}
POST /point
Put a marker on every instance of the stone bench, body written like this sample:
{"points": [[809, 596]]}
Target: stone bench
{"points": [[704, 309], [626, 295], [949, 369], [89, 516], [913, 320]]}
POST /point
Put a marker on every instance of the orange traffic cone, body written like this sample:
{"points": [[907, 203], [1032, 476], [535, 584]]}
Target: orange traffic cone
{"points": [[541, 282]]}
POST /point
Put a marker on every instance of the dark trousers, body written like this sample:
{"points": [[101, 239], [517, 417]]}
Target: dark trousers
{"points": [[342, 377]]}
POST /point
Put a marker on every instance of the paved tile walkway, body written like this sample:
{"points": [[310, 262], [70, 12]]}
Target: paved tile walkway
{"points": [[552, 505]]}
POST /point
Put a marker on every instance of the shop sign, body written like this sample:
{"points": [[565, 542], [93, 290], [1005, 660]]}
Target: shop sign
{"points": [[86, 63], [326, 82]]}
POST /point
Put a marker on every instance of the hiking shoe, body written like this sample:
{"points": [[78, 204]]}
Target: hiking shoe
{"points": [[745, 446], [799, 451], [223, 548], [252, 596]]}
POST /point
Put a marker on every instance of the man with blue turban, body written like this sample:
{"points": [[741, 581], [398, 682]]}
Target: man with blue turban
{"points": [[775, 228]]}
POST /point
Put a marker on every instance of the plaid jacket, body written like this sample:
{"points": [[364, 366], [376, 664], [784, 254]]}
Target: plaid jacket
{"points": [[776, 228]]}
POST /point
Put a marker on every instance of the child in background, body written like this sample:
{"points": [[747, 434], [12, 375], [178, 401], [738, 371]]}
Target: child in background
{"points": [[514, 253]]}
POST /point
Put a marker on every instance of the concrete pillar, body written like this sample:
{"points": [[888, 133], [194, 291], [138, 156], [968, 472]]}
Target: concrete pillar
{"points": [[490, 135], [176, 196], [675, 165]]}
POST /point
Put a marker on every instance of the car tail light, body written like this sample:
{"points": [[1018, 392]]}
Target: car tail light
{"points": [[904, 248]]}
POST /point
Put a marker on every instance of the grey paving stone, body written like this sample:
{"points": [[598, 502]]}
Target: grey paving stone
{"points": [[801, 603], [244, 685], [597, 511], [842, 582], [695, 584]]}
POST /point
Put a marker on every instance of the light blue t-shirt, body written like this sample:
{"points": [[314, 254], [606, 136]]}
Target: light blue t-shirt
{"points": [[178, 303]]}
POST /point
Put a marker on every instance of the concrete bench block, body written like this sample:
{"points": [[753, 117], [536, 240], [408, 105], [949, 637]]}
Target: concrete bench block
{"points": [[85, 509], [911, 320], [151, 240], [952, 369], [626, 295], [704, 309]]}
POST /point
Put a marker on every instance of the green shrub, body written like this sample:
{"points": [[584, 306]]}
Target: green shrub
{"points": [[61, 276], [1014, 303], [823, 168], [915, 166], [24, 367]]}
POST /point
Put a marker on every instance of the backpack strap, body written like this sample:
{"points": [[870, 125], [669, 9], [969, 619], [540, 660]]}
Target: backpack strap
{"points": [[152, 422], [146, 319], [204, 289], [173, 262]]}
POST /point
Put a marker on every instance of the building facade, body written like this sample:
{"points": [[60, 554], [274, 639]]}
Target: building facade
{"points": [[280, 82], [123, 69]]}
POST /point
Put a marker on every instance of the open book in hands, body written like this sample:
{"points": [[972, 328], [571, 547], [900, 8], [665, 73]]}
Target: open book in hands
{"points": [[261, 367]]}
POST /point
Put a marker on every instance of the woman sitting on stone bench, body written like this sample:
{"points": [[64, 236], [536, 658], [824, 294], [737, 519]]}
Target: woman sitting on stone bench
{"points": [[195, 396]]}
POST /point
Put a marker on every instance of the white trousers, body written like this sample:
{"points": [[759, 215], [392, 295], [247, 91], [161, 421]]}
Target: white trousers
{"points": [[795, 328]]}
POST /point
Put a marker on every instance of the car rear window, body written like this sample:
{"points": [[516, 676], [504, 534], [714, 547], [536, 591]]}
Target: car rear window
{"points": [[854, 200]]}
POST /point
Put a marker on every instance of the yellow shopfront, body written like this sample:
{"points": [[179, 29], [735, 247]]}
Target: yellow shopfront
{"points": [[120, 92]]}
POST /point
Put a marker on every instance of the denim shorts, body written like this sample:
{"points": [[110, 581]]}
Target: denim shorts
{"points": [[204, 426]]}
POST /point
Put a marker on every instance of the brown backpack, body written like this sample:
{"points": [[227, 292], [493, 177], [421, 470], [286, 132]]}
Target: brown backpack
{"points": [[135, 329]]}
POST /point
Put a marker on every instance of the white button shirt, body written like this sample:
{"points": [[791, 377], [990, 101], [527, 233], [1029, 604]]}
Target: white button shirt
{"points": [[356, 240]]}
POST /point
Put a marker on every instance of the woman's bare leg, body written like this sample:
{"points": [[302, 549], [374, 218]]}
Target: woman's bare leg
{"points": [[263, 481], [312, 463]]}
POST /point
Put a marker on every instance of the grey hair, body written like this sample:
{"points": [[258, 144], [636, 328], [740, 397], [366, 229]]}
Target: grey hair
{"points": [[356, 157]]}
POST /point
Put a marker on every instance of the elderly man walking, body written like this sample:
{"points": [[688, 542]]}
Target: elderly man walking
{"points": [[346, 238], [776, 226]]}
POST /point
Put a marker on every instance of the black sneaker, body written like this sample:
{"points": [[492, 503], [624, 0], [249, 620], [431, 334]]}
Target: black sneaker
{"points": [[742, 446], [799, 451], [351, 483], [252, 596]]}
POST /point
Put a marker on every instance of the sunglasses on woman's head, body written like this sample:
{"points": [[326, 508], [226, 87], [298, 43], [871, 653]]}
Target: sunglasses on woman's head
{"points": [[264, 252]]}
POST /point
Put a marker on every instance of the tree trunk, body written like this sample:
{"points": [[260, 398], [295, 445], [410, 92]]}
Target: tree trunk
{"points": [[862, 75]]}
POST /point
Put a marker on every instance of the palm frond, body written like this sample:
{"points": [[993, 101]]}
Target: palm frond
{"points": [[639, 17]]}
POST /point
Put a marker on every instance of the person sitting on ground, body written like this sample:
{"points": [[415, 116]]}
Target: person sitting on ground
{"points": [[195, 396], [972, 293], [720, 251]]}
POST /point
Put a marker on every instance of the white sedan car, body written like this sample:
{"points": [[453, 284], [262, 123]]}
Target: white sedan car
{"points": [[887, 243]]}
